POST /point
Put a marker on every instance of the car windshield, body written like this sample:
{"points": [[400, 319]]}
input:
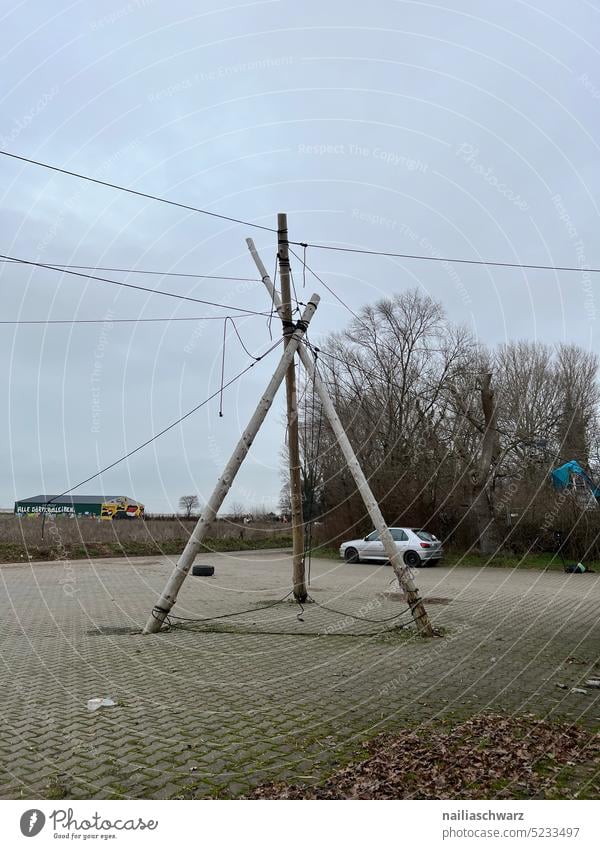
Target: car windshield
{"points": [[425, 535]]}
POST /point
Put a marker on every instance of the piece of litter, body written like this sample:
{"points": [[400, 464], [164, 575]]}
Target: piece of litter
{"points": [[562, 686], [578, 690], [95, 704], [593, 682]]}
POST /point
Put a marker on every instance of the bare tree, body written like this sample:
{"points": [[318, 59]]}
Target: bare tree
{"points": [[187, 505], [447, 431], [236, 510], [387, 374], [577, 374]]}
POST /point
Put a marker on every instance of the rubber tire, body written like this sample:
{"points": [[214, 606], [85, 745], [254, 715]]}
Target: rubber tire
{"points": [[351, 555], [412, 559], [203, 571]]}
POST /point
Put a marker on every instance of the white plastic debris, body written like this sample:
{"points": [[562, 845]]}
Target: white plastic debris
{"points": [[95, 704], [593, 682], [578, 690]]}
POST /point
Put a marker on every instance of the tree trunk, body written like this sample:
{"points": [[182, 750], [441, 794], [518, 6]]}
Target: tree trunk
{"points": [[483, 515], [482, 506]]}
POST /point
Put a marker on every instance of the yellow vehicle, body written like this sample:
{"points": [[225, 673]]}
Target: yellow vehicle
{"points": [[121, 508]]}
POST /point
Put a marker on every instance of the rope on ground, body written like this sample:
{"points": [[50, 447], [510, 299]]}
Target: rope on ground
{"points": [[169, 618], [366, 618], [172, 616]]}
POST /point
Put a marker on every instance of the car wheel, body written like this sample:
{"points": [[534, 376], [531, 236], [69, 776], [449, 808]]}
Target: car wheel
{"points": [[411, 558], [351, 555]]}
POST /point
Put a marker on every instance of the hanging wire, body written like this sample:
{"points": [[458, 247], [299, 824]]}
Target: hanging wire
{"points": [[123, 284], [304, 246], [222, 369], [295, 294], [160, 432], [241, 341], [315, 448], [270, 320]]}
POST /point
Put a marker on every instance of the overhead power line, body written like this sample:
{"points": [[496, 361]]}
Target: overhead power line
{"points": [[329, 289], [156, 273], [4, 257], [134, 191], [346, 306], [490, 262], [317, 245], [119, 320]]}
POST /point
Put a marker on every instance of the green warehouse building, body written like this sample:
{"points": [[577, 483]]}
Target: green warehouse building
{"points": [[102, 506]]}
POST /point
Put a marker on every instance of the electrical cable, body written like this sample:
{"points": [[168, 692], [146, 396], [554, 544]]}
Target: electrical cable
{"points": [[272, 309], [135, 192], [340, 300], [349, 365], [365, 251], [323, 283], [495, 263], [366, 618], [167, 428], [222, 369], [184, 620], [304, 268], [228, 615], [294, 293], [312, 464], [241, 341], [121, 320], [241, 310], [149, 272]]}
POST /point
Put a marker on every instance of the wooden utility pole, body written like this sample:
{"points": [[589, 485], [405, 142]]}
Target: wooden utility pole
{"points": [[169, 595], [298, 575], [403, 572]]}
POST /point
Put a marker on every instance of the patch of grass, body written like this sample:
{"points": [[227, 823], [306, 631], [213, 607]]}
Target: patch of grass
{"points": [[57, 788], [327, 553], [12, 552], [505, 560], [118, 791], [541, 561]]}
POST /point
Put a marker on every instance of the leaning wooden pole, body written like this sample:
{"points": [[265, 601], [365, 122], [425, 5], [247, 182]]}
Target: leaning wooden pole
{"points": [[403, 572], [169, 595], [298, 575]]}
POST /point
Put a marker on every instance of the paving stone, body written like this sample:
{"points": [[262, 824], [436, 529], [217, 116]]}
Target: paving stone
{"points": [[287, 699]]}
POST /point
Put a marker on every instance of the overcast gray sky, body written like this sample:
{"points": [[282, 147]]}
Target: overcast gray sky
{"points": [[463, 129]]}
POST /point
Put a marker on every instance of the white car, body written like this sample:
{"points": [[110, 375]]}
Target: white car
{"points": [[417, 547]]}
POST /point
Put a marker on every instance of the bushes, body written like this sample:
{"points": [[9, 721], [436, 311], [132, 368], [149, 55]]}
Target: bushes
{"points": [[21, 539]]}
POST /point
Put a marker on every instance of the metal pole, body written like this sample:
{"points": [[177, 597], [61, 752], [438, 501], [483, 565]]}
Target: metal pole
{"points": [[403, 572], [183, 565], [298, 576]]}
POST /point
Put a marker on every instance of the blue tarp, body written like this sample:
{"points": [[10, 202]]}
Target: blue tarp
{"points": [[562, 476]]}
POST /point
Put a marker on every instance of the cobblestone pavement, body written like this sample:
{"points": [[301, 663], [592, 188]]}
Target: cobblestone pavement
{"points": [[215, 709]]}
